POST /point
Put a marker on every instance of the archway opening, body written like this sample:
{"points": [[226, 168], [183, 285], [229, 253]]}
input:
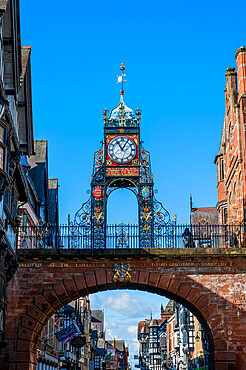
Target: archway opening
{"points": [[122, 206], [137, 328]]}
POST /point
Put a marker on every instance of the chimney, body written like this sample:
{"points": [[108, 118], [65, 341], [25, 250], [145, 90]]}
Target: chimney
{"points": [[241, 69], [231, 86]]}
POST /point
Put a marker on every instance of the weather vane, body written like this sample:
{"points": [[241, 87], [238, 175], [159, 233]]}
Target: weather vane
{"points": [[121, 78]]}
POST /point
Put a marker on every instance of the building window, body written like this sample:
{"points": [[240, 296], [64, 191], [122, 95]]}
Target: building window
{"points": [[234, 190], [1, 157], [221, 170], [186, 318], [184, 338], [224, 215], [2, 147], [2, 134], [192, 338]]}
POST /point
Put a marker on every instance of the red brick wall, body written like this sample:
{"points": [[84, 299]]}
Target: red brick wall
{"points": [[232, 189], [212, 286]]}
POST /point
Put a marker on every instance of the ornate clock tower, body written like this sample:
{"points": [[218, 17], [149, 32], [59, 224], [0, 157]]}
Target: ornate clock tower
{"points": [[122, 162]]}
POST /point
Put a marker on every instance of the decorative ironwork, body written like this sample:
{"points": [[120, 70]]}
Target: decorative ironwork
{"points": [[98, 166], [145, 216], [105, 114], [145, 167], [98, 218], [121, 273], [83, 215], [169, 235], [122, 116], [98, 203], [122, 162], [122, 236], [112, 186], [81, 228]]}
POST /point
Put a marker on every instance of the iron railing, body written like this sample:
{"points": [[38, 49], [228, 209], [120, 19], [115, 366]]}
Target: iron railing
{"points": [[203, 235]]}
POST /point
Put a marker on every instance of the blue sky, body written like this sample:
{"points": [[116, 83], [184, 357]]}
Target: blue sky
{"points": [[176, 54]]}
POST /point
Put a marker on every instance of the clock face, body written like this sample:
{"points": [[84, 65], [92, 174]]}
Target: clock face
{"points": [[122, 149]]}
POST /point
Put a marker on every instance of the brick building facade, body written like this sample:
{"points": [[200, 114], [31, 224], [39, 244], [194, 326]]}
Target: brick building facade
{"points": [[231, 158]]}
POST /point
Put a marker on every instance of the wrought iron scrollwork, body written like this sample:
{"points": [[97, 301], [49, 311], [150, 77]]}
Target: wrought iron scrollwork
{"points": [[83, 215], [145, 167], [163, 227], [133, 188], [98, 166], [81, 229], [161, 215], [122, 236]]}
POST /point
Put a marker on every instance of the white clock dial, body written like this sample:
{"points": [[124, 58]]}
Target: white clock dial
{"points": [[122, 149]]}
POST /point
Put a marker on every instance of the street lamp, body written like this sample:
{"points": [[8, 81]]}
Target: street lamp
{"points": [[197, 338]]}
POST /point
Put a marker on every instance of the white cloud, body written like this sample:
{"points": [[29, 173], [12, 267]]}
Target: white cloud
{"points": [[132, 329], [127, 305], [111, 324], [111, 334]]}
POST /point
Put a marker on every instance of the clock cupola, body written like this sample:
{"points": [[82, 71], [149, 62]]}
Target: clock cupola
{"points": [[122, 162], [121, 137]]}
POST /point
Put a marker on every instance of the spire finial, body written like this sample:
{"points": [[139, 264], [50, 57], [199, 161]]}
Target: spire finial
{"points": [[105, 113], [121, 78]]}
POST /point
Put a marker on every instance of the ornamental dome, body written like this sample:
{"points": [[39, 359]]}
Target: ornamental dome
{"points": [[122, 115], [121, 111]]}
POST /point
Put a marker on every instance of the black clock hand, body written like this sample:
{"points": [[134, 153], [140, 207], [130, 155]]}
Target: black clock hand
{"points": [[126, 148], [125, 145]]}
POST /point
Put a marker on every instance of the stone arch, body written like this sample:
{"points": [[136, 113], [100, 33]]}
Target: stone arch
{"points": [[32, 312]]}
